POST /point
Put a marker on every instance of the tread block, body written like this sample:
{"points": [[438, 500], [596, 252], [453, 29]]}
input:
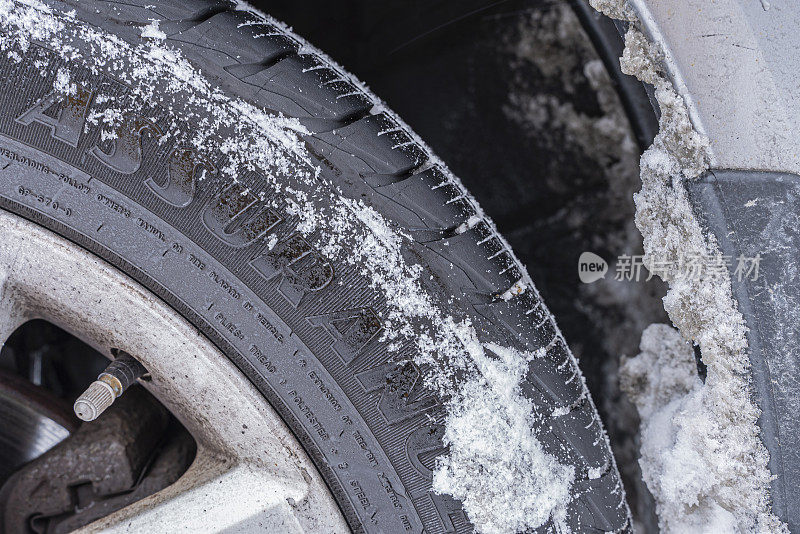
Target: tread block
{"points": [[302, 86], [534, 309], [600, 506], [544, 332], [582, 440], [231, 38], [553, 379], [373, 145], [141, 11], [426, 205], [525, 317], [480, 254]]}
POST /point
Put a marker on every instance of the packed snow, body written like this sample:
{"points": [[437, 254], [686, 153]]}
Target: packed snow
{"points": [[682, 455], [702, 455], [514, 487], [677, 445], [488, 422]]}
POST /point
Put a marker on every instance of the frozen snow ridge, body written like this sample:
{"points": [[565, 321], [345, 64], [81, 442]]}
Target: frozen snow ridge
{"points": [[702, 455]]}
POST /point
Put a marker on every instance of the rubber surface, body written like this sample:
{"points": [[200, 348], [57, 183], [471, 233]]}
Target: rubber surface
{"points": [[309, 342], [758, 214], [608, 37]]}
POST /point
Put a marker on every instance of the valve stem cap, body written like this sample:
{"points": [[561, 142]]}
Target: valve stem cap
{"points": [[94, 401]]}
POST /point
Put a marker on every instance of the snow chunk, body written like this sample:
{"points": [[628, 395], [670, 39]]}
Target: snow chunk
{"points": [[695, 469], [151, 31], [642, 59], [615, 9], [663, 349], [62, 83], [496, 466]]}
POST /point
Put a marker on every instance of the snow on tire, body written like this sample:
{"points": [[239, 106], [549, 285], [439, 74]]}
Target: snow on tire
{"points": [[252, 184]]}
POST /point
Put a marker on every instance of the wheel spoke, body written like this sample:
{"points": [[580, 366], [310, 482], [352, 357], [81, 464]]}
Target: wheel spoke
{"points": [[212, 496], [12, 309]]}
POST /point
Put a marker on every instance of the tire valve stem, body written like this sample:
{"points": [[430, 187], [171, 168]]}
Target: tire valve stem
{"points": [[110, 384]]}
